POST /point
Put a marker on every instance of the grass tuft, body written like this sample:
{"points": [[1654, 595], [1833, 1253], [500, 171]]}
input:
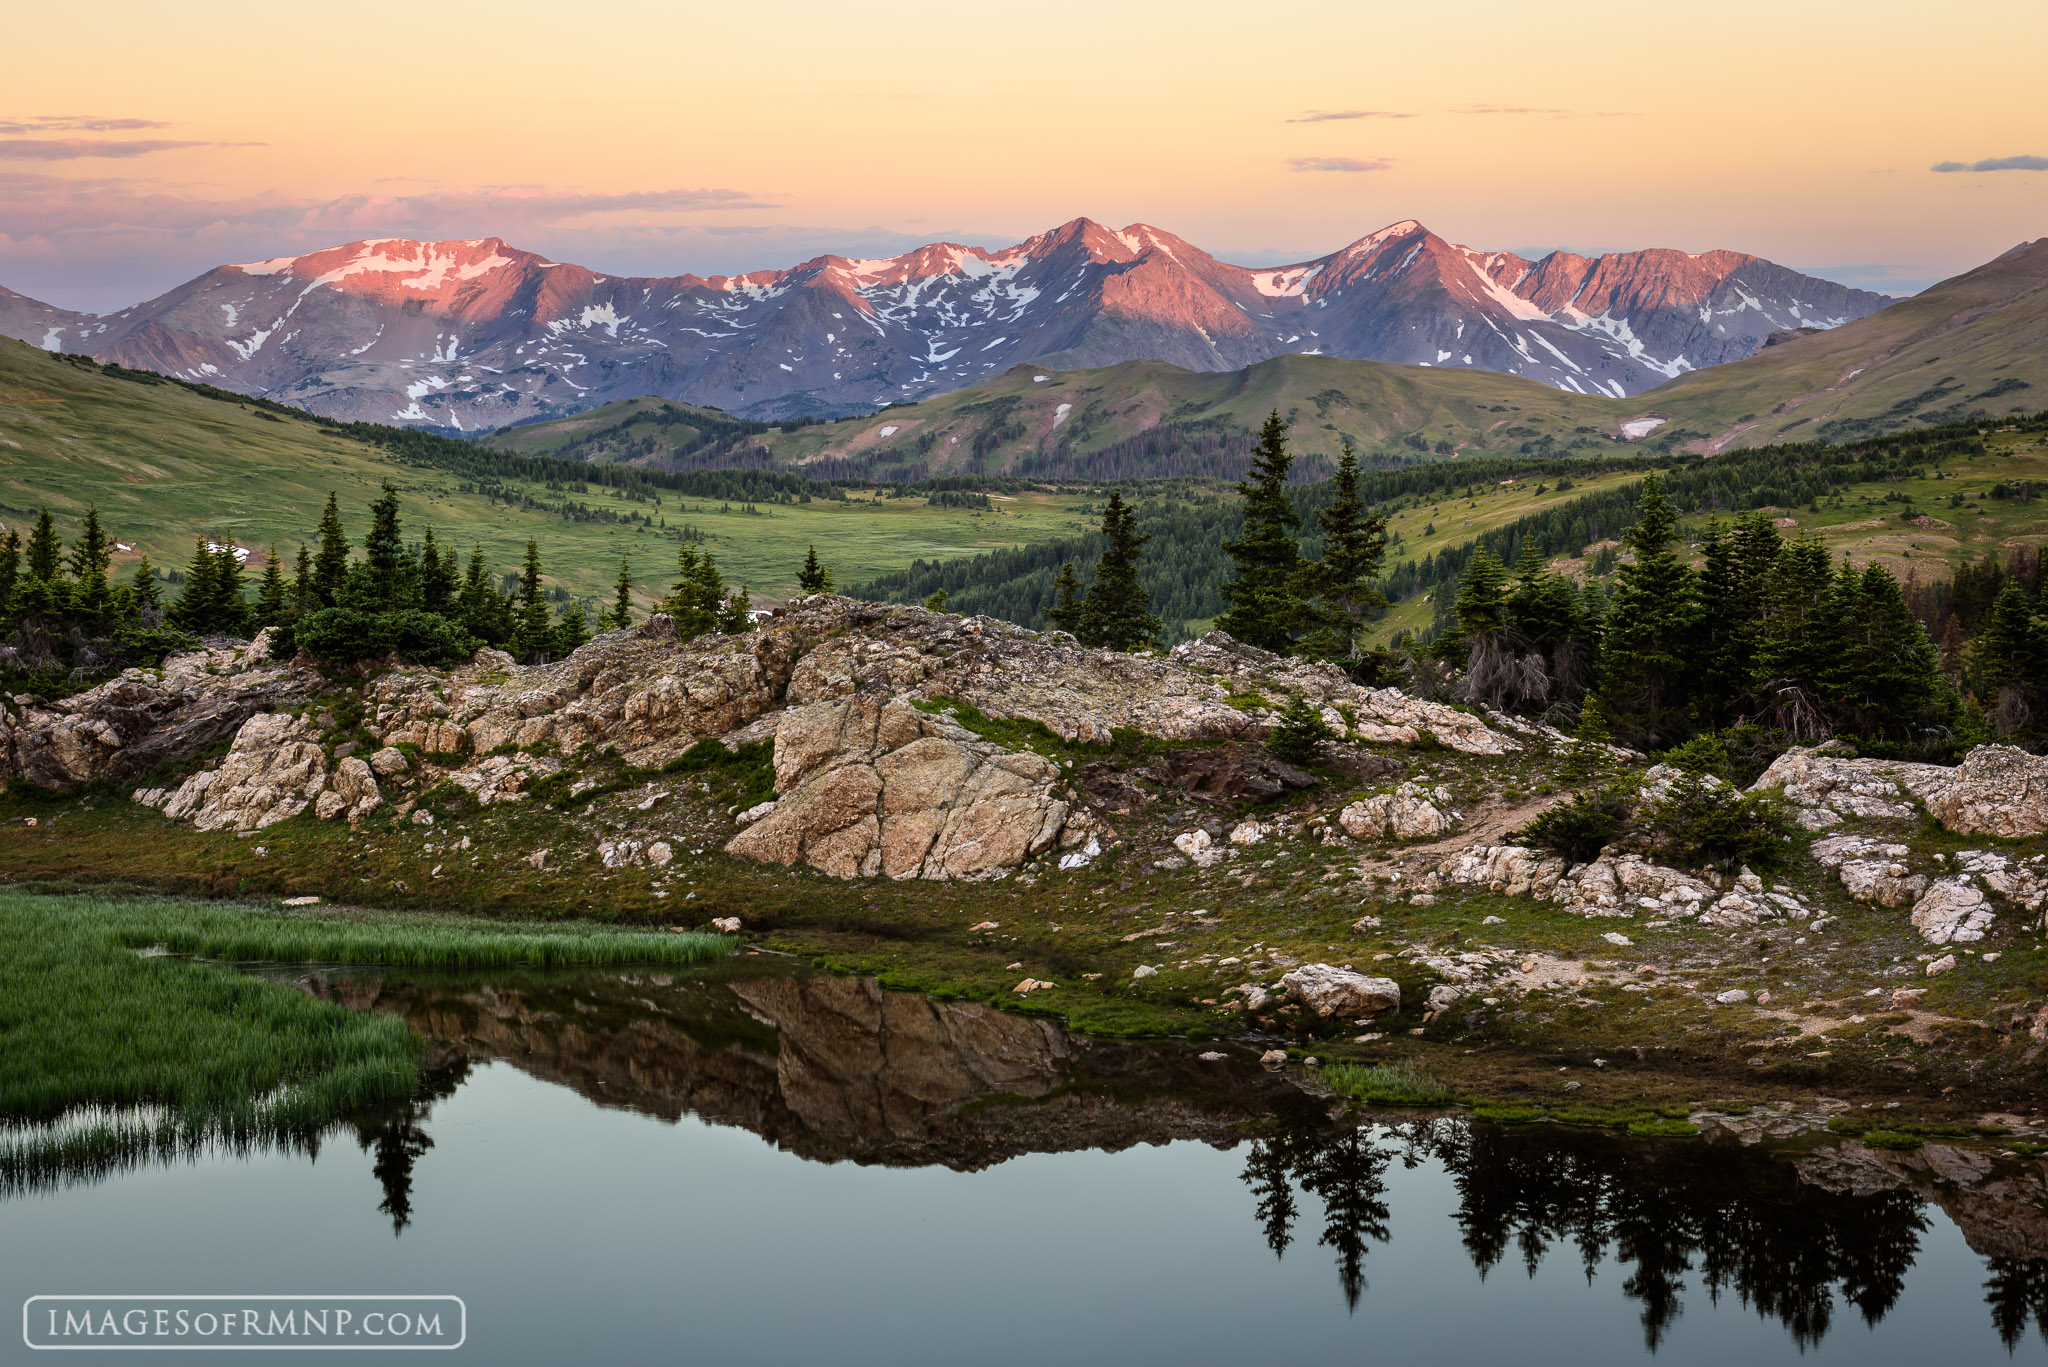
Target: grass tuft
{"points": [[1405, 1083]]}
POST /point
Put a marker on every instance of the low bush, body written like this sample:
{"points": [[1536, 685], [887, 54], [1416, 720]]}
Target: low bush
{"points": [[1701, 823], [1581, 828]]}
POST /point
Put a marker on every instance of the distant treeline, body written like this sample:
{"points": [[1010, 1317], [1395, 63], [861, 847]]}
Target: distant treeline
{"points": [[1184, 566]]}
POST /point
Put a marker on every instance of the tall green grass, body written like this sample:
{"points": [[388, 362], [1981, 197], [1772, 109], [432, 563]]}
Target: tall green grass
{"points": [[1404, 1083], [162, 1054]]}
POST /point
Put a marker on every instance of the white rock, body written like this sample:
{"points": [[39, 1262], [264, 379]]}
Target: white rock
{"points": [[1144, 971], [1952, 911], [1732, 996], [1615, 937], [1331, 991], [727, 925], [660, 853], [1941, 965], [756, 812]]}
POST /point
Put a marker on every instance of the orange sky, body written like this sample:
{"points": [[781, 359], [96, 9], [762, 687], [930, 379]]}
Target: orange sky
{"points": [[662, 138]]}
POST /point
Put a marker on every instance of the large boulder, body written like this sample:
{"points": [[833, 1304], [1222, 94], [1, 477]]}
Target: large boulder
{"points": [[1996, 790], [1871, 870], [1331, 991], [1514, 870], [1952, 911], [1410, 812], [272, 772], [872, 785], [1826, 789]]}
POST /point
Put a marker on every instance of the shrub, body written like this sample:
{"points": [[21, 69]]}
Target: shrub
{"points": [[345, 635], [1704, 823], [1700, 755], [1302, 733], [1581, 828]]}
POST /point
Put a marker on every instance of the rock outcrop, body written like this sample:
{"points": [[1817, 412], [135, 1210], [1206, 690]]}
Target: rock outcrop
{"points": [[1615, 885], [872, 785], [274, 771], [1996, 790], [145, 717]]}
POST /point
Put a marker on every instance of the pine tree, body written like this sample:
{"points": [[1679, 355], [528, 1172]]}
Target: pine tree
{"points": [[1266, 609], [698, 596], [1646, 689], [1065, 612], [1342, 584], [531, 633], [571, 630], [813, 577], [1302, 733], [438, 576], [273, 598], [2008, 663], [305, 597], [330, 561], [92, 555], [198, 606], [388, 572], [1884, 679], [231, 612], [621, 615], [148, 599], [45, 551], [10, 566], [736, 618], [1482, 606], [1118, 612], [1791, 639], [1738, 565]]}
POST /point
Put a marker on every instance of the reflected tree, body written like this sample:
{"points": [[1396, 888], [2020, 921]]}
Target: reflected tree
{"points": [[2018, 1289], [1345, 1169]]}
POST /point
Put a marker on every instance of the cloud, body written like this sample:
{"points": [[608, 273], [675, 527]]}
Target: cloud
{"points": [[100, 243], [71, 149], [1329, 115], [74, 123], [1994, 164], [1339, 163]]}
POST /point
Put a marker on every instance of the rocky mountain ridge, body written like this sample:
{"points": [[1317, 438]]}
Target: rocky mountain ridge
{"points": [[474, 335]]}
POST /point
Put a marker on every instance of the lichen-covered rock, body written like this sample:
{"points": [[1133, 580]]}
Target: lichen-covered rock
{"points": [[871, 785], [143, 717], [641, 691], [1826, 789], [1952, 911], [271, 773], [1331, 991], [1409, 812], [1871, 870], [1996, 790], [356, 785], [1514, 870]]}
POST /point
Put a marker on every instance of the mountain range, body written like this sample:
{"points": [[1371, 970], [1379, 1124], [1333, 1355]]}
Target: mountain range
{"points": [[475, 335]]}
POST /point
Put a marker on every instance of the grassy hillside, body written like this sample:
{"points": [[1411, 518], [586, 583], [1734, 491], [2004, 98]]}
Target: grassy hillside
{"points": [[1141, 419], [1973, 345], [164, 463]]}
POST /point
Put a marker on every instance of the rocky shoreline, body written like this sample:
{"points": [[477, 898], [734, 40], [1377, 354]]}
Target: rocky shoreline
{"points": [[1037, 787]]}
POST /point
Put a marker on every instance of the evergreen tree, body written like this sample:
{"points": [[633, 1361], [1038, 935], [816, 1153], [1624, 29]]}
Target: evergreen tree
{"points": [[305, 597], [621, 615], [1266, 609], [387, 571], [1646, 689], [1117, 612], [92, 555], [813, 577], [1883, 680], [148, 599], [735, 618], [438, 576], [330, 561], [198, 608], [570, 631], [1738, 565], [698, 596], [1342, 584], [45, 551], [231, 612], [2008, 663], [1482, 607], [1792, 639], [10, 566], [1065, 612], [532, 630], [273, 598]]}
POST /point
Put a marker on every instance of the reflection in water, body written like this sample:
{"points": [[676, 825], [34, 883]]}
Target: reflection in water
{"points": [[835, 1069]]}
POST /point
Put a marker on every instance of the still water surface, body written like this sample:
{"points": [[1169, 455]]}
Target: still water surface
{"points": [[681, 1169]]}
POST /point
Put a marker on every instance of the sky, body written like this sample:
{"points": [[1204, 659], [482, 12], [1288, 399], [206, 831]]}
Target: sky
{"points": [[1882, 144]]}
